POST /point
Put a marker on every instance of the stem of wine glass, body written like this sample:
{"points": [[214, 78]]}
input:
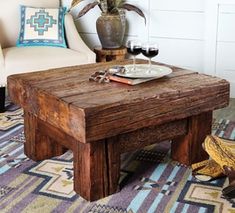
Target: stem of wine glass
{"points": [[150, 65], [134, 62]]}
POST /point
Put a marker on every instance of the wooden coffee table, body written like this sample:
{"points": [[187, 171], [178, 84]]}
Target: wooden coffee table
{"points": [[99, 122]]}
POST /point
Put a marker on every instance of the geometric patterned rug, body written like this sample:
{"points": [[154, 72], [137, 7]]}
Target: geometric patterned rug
{"points": [[150, 181]]}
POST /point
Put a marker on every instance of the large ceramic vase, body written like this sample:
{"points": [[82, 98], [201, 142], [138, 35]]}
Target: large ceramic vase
{"points": [[110, 29]]}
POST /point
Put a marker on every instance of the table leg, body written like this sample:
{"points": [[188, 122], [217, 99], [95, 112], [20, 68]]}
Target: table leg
{"points": [[39, 146], [96, 169], [188, 149]]}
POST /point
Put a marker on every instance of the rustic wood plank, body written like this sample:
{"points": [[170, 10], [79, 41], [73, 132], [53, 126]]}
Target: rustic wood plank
{"points": [[188, 149], [56, 134], [68, 118], [150, 135], [113, 152], [76, 73], [159, 88], [160, 113], [102, 113], [75, 91], [43, 84], [39, 146]]}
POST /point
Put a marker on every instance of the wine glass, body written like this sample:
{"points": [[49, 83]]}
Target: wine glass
{"points": [[150, 50], [133, 48]]}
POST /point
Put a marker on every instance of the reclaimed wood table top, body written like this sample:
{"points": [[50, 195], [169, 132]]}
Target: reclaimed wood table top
{"points": [[64, 96]]}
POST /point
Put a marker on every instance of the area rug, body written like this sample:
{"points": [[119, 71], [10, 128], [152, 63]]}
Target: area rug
{"points": [[151, 182]]}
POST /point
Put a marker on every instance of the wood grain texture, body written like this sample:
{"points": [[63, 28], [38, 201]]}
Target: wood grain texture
{"points": [[188, 149], [89, 170], [39, 146], [113, 153], [105, 55], [56, 134], [63, 96], [150, 135], [98, 122], [96, 169]]}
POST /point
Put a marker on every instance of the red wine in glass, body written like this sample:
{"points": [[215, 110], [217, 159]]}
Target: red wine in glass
{"points": [[150, 51], [134, 48]]}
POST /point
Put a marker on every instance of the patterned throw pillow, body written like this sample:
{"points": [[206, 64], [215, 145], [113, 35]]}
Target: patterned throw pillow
{"points": [[42, 27]]}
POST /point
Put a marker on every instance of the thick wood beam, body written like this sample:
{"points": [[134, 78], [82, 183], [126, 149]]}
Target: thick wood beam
{"points": [[188, 149]]}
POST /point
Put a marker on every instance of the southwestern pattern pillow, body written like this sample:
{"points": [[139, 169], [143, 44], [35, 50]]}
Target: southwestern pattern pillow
{"points": [[42, 27]]}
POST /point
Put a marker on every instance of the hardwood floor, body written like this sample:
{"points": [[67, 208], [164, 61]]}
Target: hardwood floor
{"points": [[227, 112]]}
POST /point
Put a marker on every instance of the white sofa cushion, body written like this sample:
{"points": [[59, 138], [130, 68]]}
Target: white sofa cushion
{"points": [[28, 59]]}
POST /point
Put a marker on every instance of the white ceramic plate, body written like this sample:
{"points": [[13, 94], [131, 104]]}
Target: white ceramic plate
{"points": [[142, 71]]}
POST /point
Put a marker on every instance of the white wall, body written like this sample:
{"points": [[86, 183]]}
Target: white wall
{"points": [[222, 41], [177, 25], [194, 34]]}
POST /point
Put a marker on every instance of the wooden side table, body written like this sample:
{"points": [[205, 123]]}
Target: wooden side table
{"points": [[105, 55]]}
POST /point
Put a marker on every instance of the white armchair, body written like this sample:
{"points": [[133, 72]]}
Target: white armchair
{"points": [[1, 61], [14, 60]]}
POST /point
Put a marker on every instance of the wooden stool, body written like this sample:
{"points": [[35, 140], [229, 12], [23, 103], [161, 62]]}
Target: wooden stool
{"points": [[104, 55]]}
